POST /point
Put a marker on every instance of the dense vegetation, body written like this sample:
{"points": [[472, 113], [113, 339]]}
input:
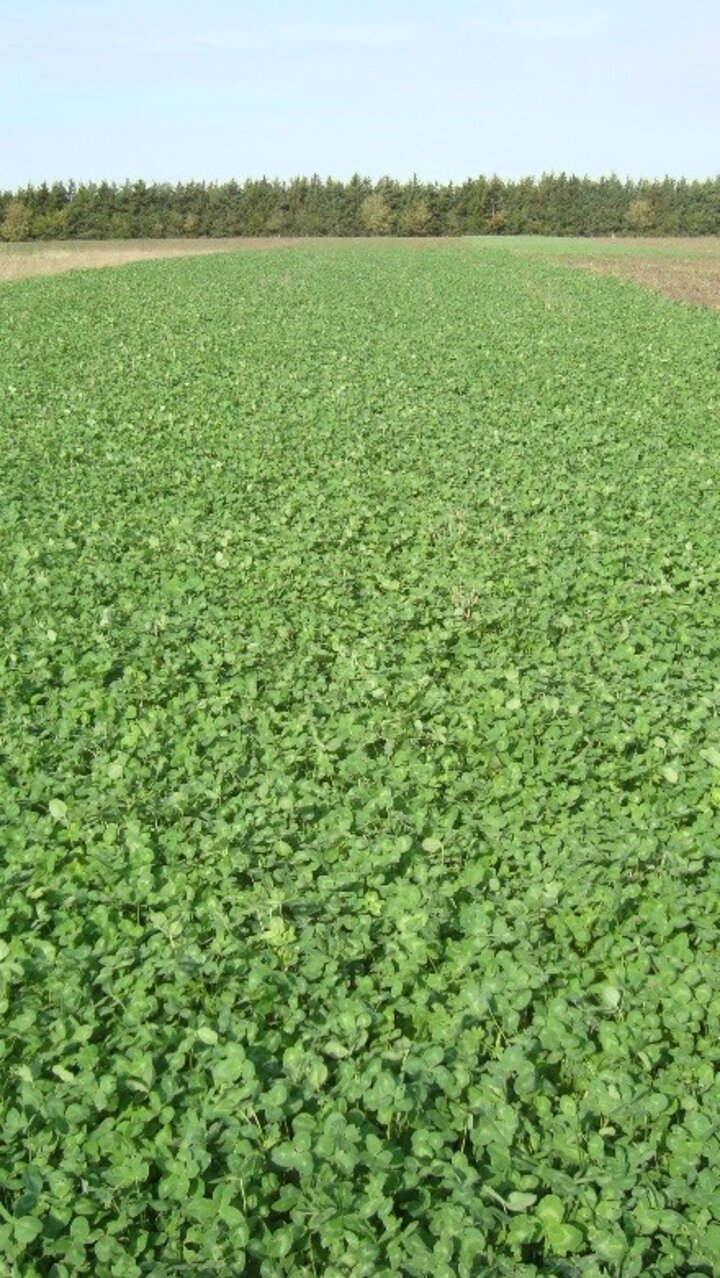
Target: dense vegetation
{"points": [[552, 205], [360, 771]]}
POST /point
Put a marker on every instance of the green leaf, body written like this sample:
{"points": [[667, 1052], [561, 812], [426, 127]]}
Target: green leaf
{"points": [[432, 845], [550, 1210], [27, 1229], [611, 997], [564, 1239], [517, 1201], [57, 809], [206, 1035], [293, 1156], [230, 1066], [79, 1229], [612, 1247]]}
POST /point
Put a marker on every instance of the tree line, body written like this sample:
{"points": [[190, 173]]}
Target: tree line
{"points": [[554, 204]]}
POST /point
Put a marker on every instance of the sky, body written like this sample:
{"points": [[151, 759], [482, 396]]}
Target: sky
{"points": [[219, 89]]}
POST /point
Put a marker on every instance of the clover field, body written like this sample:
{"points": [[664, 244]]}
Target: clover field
{"points": [[360, 770]]}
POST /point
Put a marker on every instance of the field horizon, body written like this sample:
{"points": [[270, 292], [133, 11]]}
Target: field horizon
{"points": [[684, 268]]}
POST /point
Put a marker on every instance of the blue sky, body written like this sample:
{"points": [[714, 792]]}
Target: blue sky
{"points": [[214, 89]]}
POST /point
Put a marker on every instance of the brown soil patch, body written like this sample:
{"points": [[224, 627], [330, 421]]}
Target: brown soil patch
{"points": [[686, 270], [689, 281]]}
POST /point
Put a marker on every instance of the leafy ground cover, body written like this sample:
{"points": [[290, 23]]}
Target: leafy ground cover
{"points": [[360, 770]]}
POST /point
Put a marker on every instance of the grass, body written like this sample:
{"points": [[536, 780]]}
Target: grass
{"points": [[28, 260], [677, 247], [687, 270], [360, 770]]}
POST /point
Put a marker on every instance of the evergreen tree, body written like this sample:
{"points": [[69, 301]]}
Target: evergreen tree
{"points": [[554, 204]]}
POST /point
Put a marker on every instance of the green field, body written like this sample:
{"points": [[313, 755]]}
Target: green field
{"points": [[360, 770]]}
